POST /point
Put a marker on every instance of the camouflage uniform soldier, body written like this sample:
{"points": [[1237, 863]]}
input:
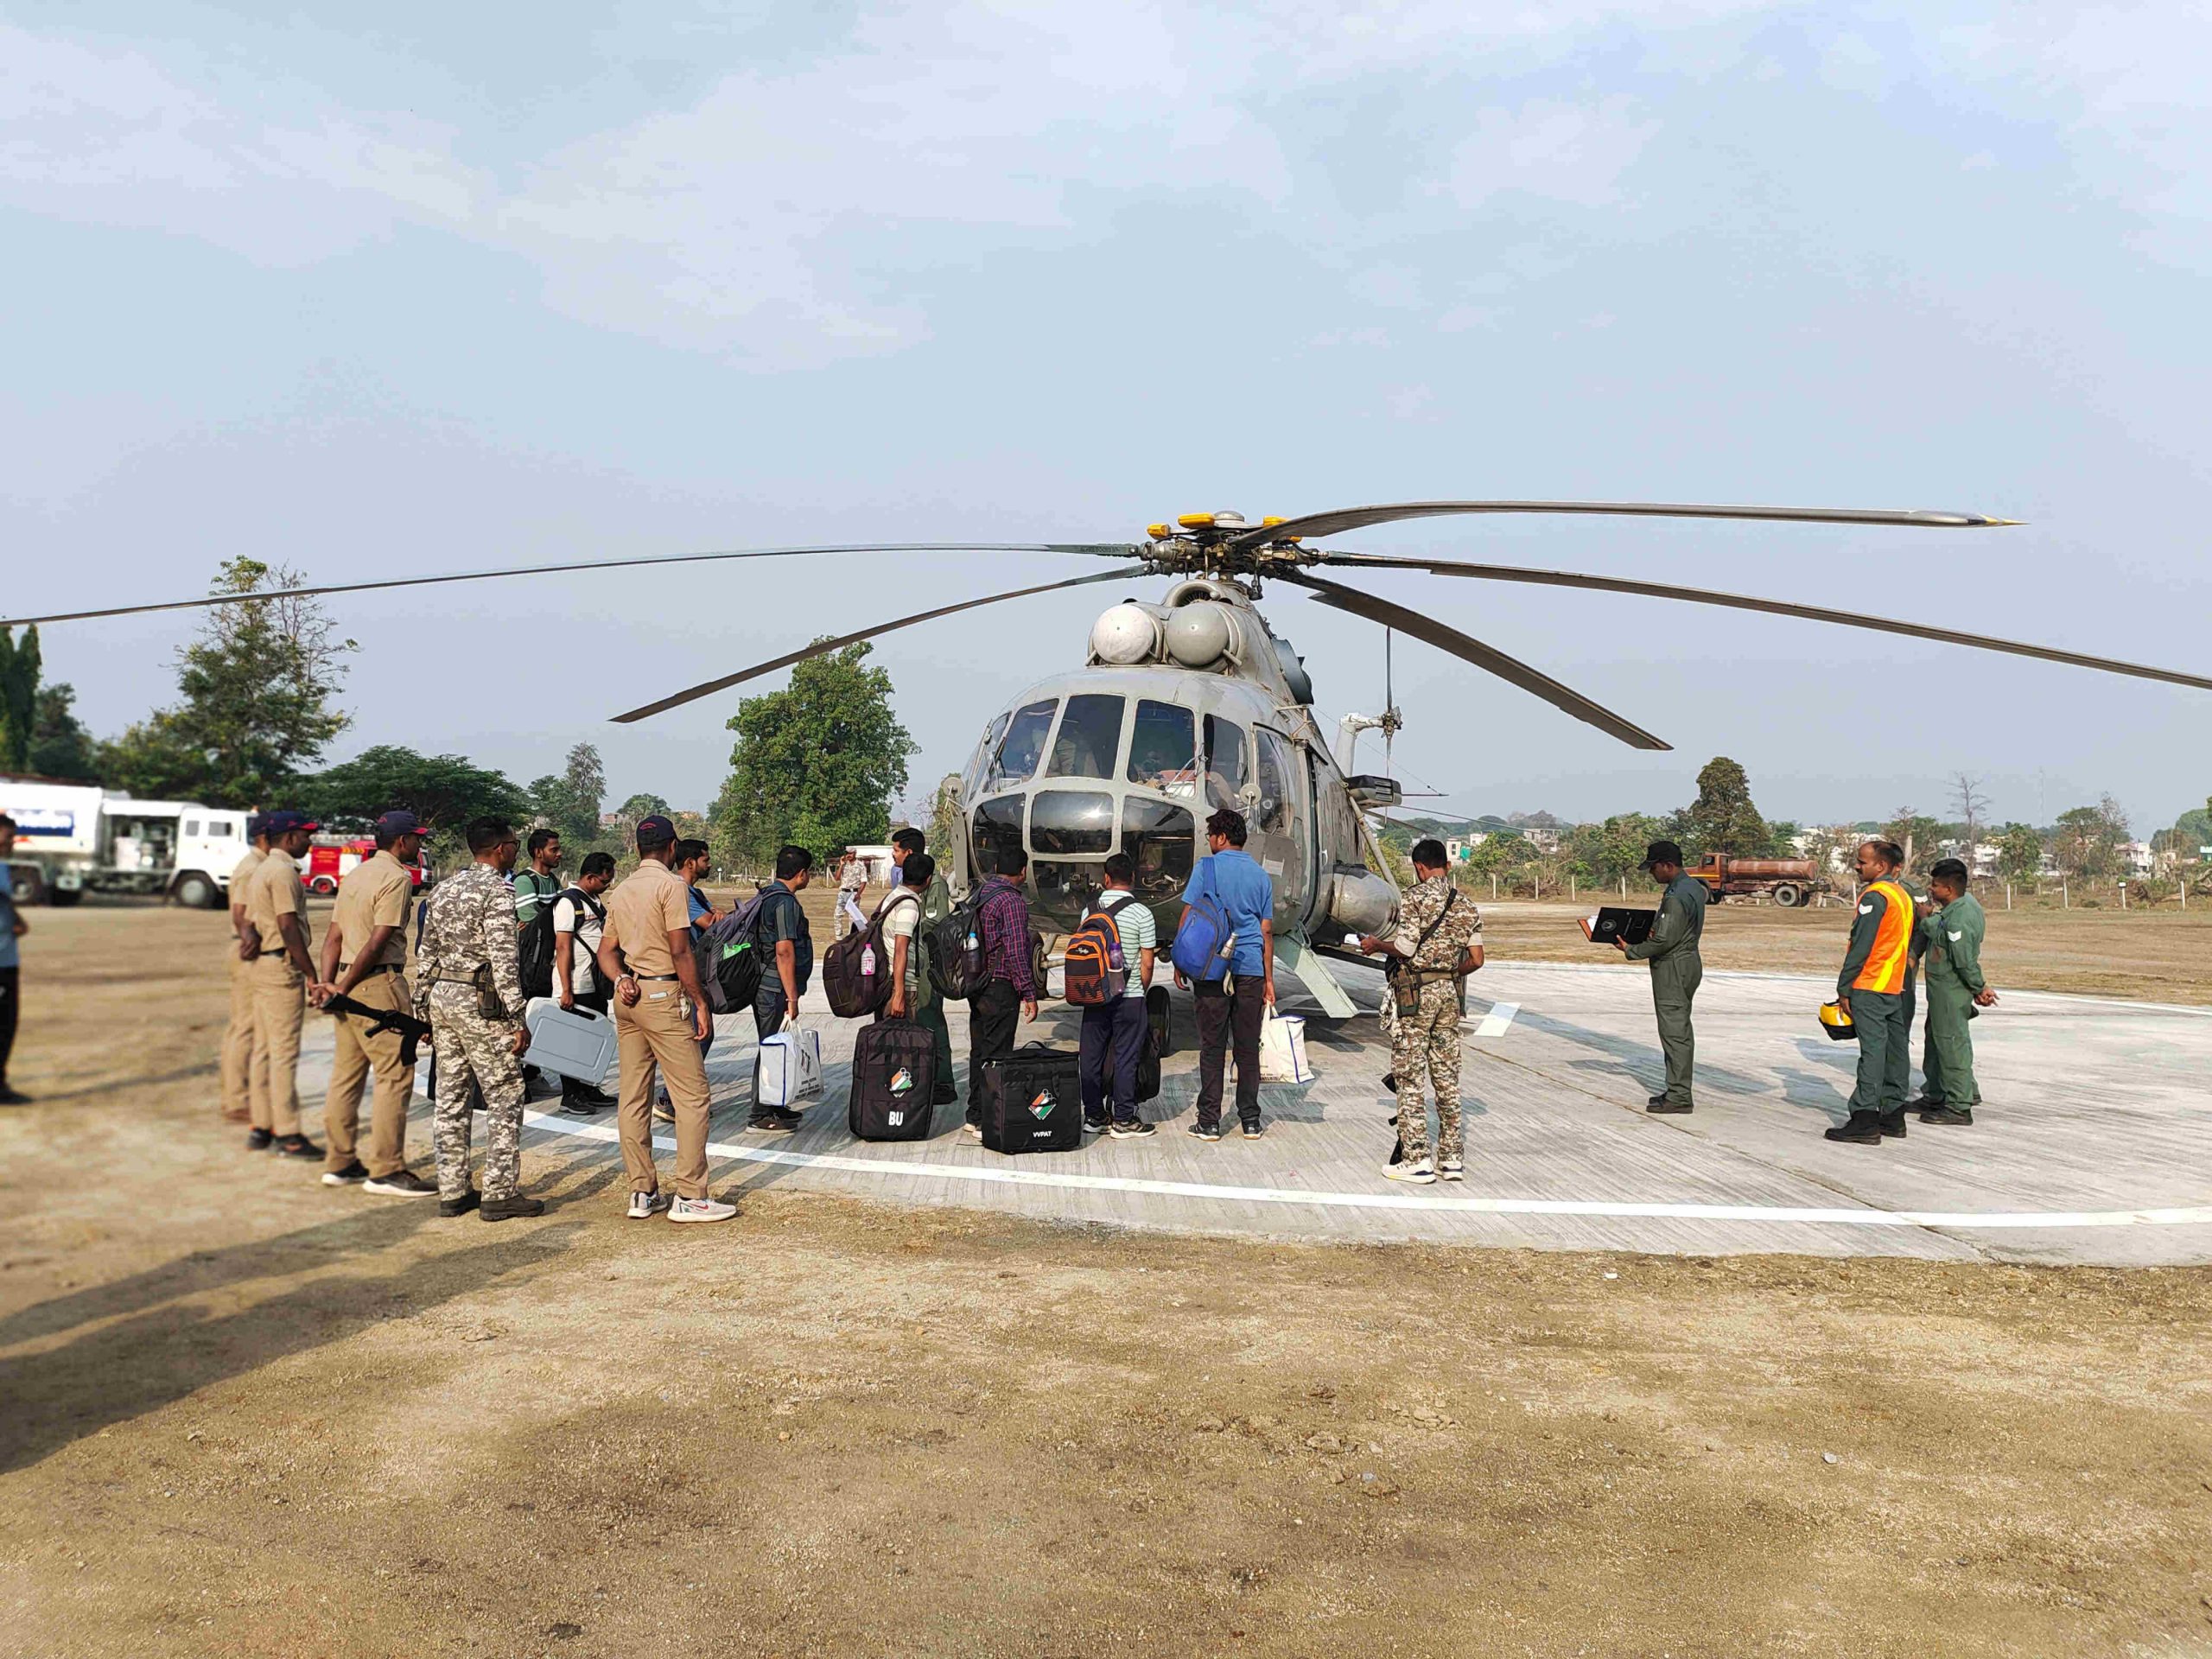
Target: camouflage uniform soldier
{"points": [[467, 948], [1435, 944]]}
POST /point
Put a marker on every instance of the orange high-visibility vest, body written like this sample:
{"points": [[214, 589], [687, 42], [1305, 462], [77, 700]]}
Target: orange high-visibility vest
{"points": [[1886, 962]]}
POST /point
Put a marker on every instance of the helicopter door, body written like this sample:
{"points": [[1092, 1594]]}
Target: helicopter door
{"points": [[1282, 828]]}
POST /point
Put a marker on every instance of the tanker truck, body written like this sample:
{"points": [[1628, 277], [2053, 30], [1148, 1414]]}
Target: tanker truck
{"points": [[1789, 881]]}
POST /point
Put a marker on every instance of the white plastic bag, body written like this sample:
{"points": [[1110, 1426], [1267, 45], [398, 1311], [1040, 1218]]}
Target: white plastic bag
{"points": [[788, 1068], [1282, 1049]]}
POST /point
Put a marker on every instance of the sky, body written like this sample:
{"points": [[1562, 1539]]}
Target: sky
{"points": [[417, 288]]}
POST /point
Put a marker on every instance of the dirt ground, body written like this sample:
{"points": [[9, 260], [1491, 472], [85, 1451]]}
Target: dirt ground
{"points": [[244, 1414]]}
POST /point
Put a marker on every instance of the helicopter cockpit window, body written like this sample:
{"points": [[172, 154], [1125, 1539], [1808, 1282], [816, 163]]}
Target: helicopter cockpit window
{"points": [[1090, 738], [1226, 765], [1071, 821], [1024, 746], [1159, 838], [984, 751], [1276, 774], [997, 823], [1164, 749]]}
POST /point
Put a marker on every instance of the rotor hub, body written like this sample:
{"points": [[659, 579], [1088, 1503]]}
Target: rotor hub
{"points": [[1222, 545]]}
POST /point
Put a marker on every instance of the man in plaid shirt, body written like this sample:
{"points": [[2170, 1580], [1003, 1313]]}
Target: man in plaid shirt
{"points": [[1010, 996]]}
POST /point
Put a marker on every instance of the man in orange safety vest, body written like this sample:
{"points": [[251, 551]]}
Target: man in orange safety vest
{"points": [[1875, 988]]}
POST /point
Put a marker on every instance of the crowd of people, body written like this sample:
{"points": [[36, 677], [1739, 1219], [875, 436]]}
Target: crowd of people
{"points": [[626, 950]]}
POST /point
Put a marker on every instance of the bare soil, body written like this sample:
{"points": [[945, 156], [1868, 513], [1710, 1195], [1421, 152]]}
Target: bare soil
{"points": [[244, 1414]]}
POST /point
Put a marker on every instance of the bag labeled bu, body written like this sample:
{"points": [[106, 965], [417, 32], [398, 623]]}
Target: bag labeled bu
{"points": [[856, 971], [1032, 1101], [1092, 971], [1205, 942], [729, 959], [956, 951], [895, 1078]]}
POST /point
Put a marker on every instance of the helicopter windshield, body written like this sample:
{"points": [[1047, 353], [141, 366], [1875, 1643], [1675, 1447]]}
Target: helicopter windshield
{"points": [[1016, 760], [1071, 821], [1159, 838], [1226, 762], [997, 823], [984, 751], [1164, 749], [1090, 738]]}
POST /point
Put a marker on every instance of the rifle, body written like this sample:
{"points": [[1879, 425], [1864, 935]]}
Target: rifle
{"points": [[411, 1031]]}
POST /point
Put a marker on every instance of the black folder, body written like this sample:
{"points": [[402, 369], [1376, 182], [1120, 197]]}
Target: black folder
{"points": [[1615, 922]]}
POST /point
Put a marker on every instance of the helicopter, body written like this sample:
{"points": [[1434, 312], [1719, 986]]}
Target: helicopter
{"points": [[1194, 703]]}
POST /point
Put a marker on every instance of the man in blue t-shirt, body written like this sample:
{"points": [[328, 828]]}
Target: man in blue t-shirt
{"points": [[1233, 1010]]}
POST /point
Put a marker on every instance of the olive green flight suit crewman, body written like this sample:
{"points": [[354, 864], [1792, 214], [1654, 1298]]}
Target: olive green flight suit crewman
{"points": [[1951, 939], [1677, 970]]}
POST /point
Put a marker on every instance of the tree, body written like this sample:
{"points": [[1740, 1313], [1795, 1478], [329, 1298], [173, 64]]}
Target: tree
{"points": [[445, 790], [1971, 805], [945, 825], [1917, 834], [1723, 819], [19, 666], [2089, 841], [569, 802], [2020, 852], [60, 746], [1615, 848], [255, 700], [817, 763], [644, 806]]}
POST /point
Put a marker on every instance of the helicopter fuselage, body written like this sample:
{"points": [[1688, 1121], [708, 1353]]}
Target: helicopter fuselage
{"points": [[1132, 756]]}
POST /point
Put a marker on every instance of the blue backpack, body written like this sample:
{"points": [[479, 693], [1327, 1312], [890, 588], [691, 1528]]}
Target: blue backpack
{"points": [[1205, 942]]}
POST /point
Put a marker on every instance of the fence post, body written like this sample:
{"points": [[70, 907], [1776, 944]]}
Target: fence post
{"points": [[1623, 886], [1538, 878], [2008, 895], [1493, 887], [2065, 898], [2123, 895], [1570, 889]]}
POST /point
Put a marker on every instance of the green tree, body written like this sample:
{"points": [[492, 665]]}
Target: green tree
{"points": [[817, 763], [447, 791], [2089, 841], [254, 710], [1615, 848], [1723, 818], [60, 746], [1917, 834], [644, 806], [2020, 851], [569, 802], [19, 666]]}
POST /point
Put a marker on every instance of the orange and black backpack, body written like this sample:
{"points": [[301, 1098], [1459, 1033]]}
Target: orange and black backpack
{"points": [[1092, 971]]}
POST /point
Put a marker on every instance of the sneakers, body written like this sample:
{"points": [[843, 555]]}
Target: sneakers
{"points": [[352, 1175], [1419, 1172], [400, 1184], [461, 1205], [259, 1139], [1205, 1131], [771, 1126], [1961, 1116], [1860, 1129], [1450, 1169], [583, 1100], [664, 1107], [298, 1146], [644, 1206], [1093, 1126], [701, 1210], [973, 1131], [517, 1208], [1252, 1130], [1134, 1129]]}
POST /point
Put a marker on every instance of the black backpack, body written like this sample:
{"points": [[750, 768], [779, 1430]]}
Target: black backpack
{"points": [[729, 960], [856, 971], [535, 951], [956, 952]]}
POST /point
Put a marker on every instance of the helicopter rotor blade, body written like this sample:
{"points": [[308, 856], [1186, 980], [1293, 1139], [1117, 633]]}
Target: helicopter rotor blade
{"points": [[822, 647], [1098, 549], [1343, 519], [1446, 638], [1769, 607]]}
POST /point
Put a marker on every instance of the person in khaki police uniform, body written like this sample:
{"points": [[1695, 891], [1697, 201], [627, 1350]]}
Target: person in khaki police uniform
{"points": [[645, 952], [1435, 942], [368, 930], [241, 1060], [468, 986], [276, 909]]}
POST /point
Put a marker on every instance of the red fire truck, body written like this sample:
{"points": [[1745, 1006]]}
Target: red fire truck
{"points": [[331, 857]]}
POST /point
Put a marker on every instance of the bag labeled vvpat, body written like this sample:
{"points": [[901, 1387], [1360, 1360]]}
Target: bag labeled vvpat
{"points": [[788, 1068], [1282, 1049], [1032, 1101]]}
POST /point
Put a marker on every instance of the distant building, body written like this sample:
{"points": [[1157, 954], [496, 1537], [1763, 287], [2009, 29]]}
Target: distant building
{"points": [[1460, 848]]}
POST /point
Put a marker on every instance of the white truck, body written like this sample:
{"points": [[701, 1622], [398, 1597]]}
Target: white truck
{"points": [[72, 839]]}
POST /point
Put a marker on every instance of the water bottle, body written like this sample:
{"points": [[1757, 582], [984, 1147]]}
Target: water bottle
{"points": [[868, 959]]}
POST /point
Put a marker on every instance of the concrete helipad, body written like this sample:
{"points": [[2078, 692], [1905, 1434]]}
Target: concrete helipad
{"points": [[2092, 1146]]}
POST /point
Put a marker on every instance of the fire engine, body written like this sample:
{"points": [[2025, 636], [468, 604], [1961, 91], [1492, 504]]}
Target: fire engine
{"points": [[330, 856]]}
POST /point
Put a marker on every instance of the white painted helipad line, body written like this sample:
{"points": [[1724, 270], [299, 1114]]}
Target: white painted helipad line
{"points": [[1471, 1204], [1499, 1020]]}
